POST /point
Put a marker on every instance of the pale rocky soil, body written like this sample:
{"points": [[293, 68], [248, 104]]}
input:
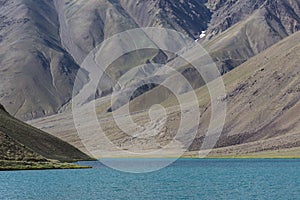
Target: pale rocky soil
{"points": [[262, 113]]}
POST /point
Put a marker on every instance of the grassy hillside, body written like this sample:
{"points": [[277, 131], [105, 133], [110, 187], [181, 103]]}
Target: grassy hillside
{"points": [[22, 143]]}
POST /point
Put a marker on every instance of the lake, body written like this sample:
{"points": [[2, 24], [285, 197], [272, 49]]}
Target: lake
{"points": [[184, 179]]}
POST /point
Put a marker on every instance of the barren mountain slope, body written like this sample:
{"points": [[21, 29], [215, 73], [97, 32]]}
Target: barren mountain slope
{"points": [[237, 31], [241, 29], [42, 42], [36, 73], [263, 102], [85, 24]]}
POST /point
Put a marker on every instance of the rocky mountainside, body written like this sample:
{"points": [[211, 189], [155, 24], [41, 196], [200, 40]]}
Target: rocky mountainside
{"points": [[44, 42], [22, 143], [262, 104], [85, 24], [262, 112], [241, 29], [227, 13], [37, 73]]}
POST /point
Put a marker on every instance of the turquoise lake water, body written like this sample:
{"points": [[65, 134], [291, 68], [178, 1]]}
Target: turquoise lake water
{"points": [[185, 179]]}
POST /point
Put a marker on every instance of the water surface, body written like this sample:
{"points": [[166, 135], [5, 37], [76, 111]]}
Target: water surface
{"points": [[185, 179]]}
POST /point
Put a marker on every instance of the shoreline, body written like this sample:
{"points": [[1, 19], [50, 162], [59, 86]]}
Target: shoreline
{"points": [[21, 165], [209, 157], [246, 157], [25, 166]]}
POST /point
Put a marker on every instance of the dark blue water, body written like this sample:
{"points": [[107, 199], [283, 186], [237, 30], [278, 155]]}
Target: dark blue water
{"points": [[185, 179]]}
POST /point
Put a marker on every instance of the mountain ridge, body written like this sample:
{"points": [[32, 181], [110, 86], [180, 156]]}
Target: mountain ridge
{"points": [[36, 72], [44, 42], [241, 29]]}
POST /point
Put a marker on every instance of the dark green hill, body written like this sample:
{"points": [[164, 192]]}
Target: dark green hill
{"points": [[21, 143]]}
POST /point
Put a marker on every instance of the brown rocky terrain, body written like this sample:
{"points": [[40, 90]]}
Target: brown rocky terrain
{"points": [[241, 29], [44, 42], [262, 106], [36, 71]]}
